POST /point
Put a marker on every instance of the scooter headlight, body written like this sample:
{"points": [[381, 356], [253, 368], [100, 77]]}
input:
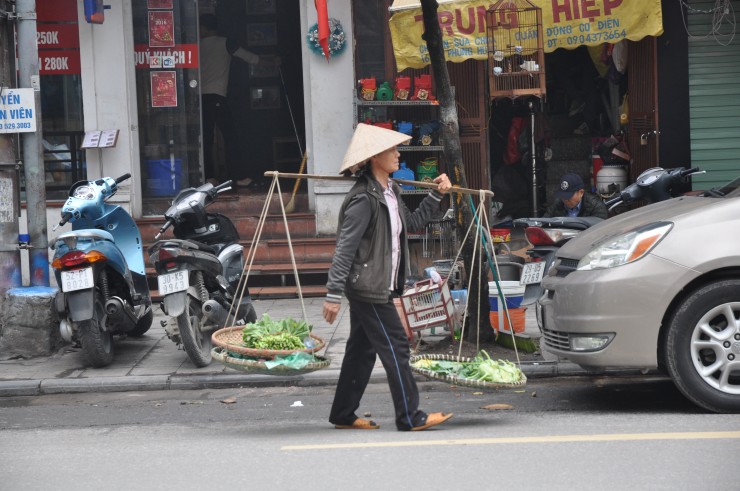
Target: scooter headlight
{"points": [[625, 248]]}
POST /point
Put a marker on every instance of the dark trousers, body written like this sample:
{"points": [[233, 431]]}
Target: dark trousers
{"points": [[376, 329], [216, 112]]}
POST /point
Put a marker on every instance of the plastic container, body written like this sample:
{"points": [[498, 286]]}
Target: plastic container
{"points": [[404, 173], [165, 177], [405, 127], [501, 234], [513, 294], [597, 163], [611, 179], [500, 323]]}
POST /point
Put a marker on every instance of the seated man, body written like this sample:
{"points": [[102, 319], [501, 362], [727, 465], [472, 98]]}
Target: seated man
{"points": [[573, 200]]}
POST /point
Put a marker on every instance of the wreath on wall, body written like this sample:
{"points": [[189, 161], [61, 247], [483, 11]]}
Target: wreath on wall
{"points": [[337, 38]]}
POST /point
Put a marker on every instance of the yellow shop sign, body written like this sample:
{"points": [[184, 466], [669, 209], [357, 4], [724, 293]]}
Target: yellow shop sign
{"points": [[566, 24]]}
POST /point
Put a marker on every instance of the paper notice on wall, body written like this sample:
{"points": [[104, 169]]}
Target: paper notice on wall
{"points": [[164, 89], [17, 110], [7, 201]]}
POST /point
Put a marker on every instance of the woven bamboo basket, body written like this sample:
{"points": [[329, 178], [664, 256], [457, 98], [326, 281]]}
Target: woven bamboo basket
{"points": [[456, 380], [230, 338], [259, 367]]}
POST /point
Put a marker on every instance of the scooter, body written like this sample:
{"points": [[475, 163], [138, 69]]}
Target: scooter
{"points": [[653, 185], [547, 235], [99, 267], [199, 272]]}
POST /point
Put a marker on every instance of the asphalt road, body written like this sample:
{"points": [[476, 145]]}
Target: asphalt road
{"points": [[566, 433]]}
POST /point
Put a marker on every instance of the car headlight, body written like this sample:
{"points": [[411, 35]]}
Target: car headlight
{"points": [[625, 248]]}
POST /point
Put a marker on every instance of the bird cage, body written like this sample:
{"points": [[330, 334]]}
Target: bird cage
{"points": [[516, 55]]}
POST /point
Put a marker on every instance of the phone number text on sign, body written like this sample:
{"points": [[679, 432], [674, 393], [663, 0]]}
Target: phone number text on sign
{"points": [[17, 111]]}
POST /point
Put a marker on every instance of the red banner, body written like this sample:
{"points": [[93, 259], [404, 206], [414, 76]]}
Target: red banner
{"points": [[185, 56], [59, 61], [56, 11], [58, 36]]}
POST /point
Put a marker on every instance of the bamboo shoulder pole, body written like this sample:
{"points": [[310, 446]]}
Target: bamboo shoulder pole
{"points": [[418, 184]]}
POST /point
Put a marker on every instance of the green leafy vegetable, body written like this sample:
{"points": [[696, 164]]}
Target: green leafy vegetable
{"points": [[266, 333], [482, 368]]}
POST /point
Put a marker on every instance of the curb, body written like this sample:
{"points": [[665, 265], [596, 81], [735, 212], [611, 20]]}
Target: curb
{"points": [[18, 388]]}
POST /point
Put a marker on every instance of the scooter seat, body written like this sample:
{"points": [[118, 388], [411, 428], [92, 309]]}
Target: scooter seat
{"points": [[189, 244], [91, 233]]}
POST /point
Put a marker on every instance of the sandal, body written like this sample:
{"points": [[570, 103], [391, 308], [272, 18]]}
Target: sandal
{"points": [[433, 419], [359, 424]]}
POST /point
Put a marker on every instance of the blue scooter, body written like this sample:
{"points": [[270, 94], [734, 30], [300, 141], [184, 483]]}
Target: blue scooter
{"points": [[99, 267]]}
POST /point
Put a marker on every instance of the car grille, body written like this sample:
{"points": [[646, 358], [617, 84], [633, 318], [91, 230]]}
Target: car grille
{"points": [[566, 267], [556, 340]]}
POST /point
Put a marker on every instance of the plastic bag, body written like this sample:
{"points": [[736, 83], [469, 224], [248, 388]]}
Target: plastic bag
{"points": [[296, 360]]}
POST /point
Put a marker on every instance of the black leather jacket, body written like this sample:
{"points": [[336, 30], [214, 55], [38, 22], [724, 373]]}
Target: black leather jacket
{"points": [[591, 206], [361, 268]]}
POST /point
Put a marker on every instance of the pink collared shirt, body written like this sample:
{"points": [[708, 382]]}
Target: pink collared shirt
{"points": [[392, 202]]}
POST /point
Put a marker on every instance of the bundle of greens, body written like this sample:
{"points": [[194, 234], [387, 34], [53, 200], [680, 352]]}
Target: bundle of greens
{"points": [[481, 368], [267, 334]]}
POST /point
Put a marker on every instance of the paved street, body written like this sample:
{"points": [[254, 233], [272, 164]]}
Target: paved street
{"points": [[567, 433]]}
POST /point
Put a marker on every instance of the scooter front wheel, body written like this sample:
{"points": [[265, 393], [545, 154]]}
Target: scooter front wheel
{"points": [[97, 344], [197, 343]]}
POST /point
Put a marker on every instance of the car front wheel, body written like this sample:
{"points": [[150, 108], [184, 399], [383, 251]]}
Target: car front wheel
{"points": [[702, 347]]}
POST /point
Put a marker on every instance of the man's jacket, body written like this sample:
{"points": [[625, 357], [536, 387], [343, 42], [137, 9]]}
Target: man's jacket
{"points": [[361, 268], [591, 206]]}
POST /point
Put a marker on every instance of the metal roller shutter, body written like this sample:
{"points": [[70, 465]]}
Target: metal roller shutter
{"points": [[714, 95]]}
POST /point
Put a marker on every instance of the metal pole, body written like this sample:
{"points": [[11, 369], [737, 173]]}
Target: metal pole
{"points": [[10, 255], [33, 151], [533, 152], [419, 184]]}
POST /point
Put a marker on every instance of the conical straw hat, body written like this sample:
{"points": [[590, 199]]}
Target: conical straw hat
{"points": [[369, 140]]}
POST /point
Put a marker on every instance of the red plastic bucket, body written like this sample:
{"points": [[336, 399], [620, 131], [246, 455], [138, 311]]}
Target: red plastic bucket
{"points": [[501, 234]]}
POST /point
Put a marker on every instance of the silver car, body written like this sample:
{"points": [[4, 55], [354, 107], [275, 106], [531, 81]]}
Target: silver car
{"points": [[657, 287]]}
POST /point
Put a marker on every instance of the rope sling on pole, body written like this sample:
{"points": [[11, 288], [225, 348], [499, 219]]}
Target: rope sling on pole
{"points": [[480, 211]]}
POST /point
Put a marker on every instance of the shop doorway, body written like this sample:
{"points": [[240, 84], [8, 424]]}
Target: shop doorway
{"points": [[584, 117], [265, 99], [167, 79], [266, 114]]}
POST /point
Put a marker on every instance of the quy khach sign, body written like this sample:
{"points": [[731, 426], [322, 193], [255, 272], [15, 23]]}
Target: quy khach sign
{"points": [[17, 111]]}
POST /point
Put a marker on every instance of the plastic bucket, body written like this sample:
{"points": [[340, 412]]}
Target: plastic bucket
{"points": [[513, 294], [501, 234], [165, 177], [518, 317]]}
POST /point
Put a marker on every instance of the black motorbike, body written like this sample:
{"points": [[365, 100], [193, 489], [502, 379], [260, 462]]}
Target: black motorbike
{"points": [[547, 235], [199, 272], [653, 185]]}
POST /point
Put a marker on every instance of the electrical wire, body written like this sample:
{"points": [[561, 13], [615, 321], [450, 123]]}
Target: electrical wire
{"points": [[723, 14]]}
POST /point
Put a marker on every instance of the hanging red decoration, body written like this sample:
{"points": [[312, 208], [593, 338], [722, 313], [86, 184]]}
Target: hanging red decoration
{"points": [[322, 15]]}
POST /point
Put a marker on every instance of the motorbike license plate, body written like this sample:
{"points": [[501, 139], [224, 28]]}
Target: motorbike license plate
{"points": [[79, 279], [532, 273], [173, 282]]}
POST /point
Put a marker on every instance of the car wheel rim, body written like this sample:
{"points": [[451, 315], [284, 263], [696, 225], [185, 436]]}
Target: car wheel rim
{"points": [[715, 348]]}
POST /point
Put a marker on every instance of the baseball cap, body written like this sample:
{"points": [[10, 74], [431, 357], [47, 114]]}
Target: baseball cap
{"points": [[569, 184]]}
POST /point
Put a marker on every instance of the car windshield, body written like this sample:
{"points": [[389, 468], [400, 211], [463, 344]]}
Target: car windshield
{"points": [[731, 189]]}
